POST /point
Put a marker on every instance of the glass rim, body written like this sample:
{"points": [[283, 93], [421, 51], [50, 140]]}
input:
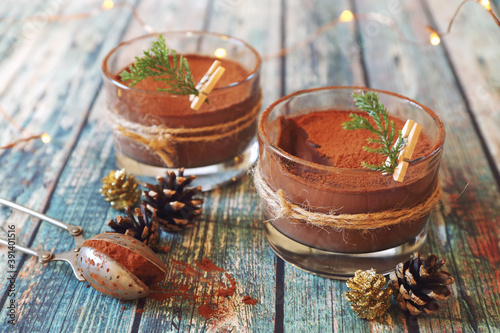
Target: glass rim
{"points": [[188, 33], [267, 144]]}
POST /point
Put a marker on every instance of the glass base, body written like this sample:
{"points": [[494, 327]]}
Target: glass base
{"points": [[336, 265], [208, 177]]}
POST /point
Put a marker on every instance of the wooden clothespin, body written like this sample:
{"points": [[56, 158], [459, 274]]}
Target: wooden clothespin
{"points": [[207, 84], [410, 133]]}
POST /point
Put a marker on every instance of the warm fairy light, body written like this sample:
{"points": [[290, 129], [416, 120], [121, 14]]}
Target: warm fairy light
{"points": [[220, 53], [45, 138], [346, 16], [107, 4], [486, 4], [435, 40]]}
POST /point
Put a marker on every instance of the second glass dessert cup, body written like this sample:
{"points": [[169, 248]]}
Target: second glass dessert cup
{"points": [[155, 131], [298, 193]]}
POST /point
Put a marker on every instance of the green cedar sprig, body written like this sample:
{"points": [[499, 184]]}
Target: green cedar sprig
{"points": [[156, 63], [384, 129]]}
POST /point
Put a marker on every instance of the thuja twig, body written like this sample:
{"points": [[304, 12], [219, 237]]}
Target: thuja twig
{"points": [[384, 129], [164, 65]]}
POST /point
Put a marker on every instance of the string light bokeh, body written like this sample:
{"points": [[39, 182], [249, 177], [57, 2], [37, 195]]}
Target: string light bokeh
{"points": [[346, 16]]}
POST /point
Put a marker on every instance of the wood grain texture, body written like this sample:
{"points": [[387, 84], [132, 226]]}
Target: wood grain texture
{"points": [[475, 56], [52, 81], [230, 232], [423, 73], [311, 303], [39, 97]]}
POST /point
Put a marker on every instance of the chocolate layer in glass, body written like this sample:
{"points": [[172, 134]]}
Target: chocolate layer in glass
{"points": [[236, 95], [295, 158]]}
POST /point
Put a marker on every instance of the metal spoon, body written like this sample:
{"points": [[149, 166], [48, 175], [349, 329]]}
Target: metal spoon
{"points": [[102, 272]]}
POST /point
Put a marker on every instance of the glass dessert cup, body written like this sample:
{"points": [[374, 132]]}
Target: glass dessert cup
{"points": [[337, 251], [155, 131]]}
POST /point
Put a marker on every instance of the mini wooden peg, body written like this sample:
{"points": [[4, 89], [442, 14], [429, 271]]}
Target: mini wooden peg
{"points": [[205, 77], [400, 171], [207, 84], [407, 151], [405, 132], [407, 128], [410, 134]]}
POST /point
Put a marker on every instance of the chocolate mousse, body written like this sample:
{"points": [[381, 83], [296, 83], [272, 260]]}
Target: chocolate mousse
{"points": [[319, 137], [320, 169], [236, 94]]}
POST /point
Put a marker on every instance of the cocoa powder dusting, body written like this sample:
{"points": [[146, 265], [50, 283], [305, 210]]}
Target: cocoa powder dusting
{"points": [[199, 66], [207, 310], [319, 137], [249, 300], [208, 266], [229, 291], [185, 281], [330, 144], [164, 248], [137, 264]]}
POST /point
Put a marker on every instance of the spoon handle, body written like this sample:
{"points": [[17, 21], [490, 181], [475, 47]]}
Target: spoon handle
{"points": [[72, 229], [43, 256]]}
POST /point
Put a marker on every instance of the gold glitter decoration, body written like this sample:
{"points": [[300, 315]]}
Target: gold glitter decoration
{"points": [[119, 190], [368, 297]]}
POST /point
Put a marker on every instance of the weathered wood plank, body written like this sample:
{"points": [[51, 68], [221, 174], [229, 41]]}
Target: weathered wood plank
{"points": [[312, 303], [41, 98], [79, 177], [64, 176], [259, 25], [25, 159], [230, 233], [458, 233], [473, 47]]}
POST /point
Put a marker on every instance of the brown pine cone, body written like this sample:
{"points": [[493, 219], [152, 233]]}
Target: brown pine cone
{"points": [[175, 204], [419, 283], [143, 228]]}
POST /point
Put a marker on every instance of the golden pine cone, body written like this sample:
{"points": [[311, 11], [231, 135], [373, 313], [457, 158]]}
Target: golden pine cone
{"points": [[368, 297], [119, 190]]}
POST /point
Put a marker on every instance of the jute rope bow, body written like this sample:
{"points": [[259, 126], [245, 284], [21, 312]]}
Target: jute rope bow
{"points": [[161, 139], [280, 207]]}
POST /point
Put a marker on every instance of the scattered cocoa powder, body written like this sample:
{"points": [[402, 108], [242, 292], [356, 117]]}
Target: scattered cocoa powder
{"points": [[139, 311], [208, 266], [213, 304], [186, 269], [164, 248], [249, 300], [123, 308], [227, 292], [207, 310]]}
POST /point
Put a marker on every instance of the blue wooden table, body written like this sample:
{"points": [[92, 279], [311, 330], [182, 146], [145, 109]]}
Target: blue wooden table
{"points": [[50, 81]]}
